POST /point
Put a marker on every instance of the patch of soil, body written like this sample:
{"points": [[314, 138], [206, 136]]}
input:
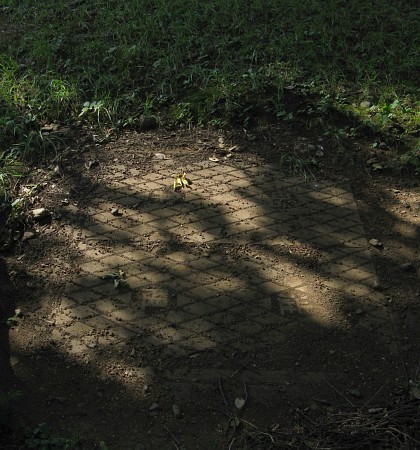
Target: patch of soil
{"points": [[108, 400]]}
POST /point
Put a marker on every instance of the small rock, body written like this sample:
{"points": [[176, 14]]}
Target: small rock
{"points": [[28, 235], [145, 389], [240, 403], [65, 202], [49, 127], [355, 393], [155, 407], [375, 243], [365, 104], [177, 411], [116, 212], [374, 410], [14, 360], [159, 156], [376, 284], [91, 164], [40, 213], [91, 345]]}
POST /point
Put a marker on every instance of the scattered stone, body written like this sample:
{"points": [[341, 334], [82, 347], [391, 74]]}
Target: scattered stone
{"points": [[365, 104], [177, 411], [92, 164], [374, 410], [376, 284], [355, 393], [240, 403], [49, 127], [40, 214], [375, 243], [27, 235], [14, 360], [155, 407]]}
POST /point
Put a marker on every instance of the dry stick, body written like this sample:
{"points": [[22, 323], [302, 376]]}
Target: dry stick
{"points": [[407, 381], [373, 396], [338, 392], [221, 391], [405, 435], [243, 366], [173, 438], [246, 391]]}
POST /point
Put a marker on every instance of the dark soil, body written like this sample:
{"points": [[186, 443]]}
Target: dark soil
{"points": [[75, 399]]}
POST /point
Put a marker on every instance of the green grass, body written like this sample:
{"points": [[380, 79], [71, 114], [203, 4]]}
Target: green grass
{"points": [[211, 62]]}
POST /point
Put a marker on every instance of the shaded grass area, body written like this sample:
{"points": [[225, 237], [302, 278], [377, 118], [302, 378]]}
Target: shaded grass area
{"points": [[214, 63]]}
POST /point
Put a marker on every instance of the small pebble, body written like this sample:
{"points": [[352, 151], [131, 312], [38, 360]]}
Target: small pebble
{"points": [[155, 407], [177, 411], [355, 393]]}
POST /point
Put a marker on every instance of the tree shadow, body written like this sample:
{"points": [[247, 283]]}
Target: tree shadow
{"points": [[251, 276]]}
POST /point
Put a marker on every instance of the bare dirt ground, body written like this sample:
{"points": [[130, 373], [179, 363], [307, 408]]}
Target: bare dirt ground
{"points": [[298, 295]]}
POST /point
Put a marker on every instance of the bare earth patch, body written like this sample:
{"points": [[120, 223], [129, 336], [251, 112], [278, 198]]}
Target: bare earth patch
{"points": [[158, 319]]}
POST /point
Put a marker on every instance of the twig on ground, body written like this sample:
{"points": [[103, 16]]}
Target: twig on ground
{"points": [[246, 391], [174, 440], [338, 392], [373, 396], [222, 392], [241, 367]]}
